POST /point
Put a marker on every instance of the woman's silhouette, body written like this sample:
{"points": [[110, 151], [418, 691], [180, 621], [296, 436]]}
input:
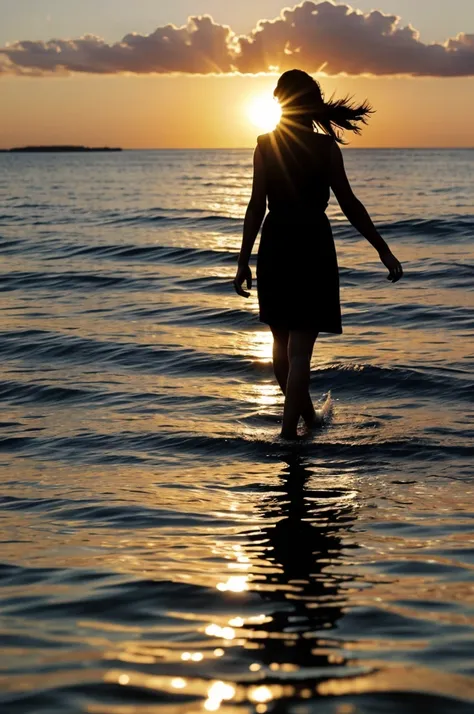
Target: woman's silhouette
{"points": [[297, 574], [297, 271]]}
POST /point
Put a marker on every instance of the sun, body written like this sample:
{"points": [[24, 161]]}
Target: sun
{"points": [[264, 112]]}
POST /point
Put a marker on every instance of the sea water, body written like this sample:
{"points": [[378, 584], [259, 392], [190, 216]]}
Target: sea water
{"points": [[162, 550]]}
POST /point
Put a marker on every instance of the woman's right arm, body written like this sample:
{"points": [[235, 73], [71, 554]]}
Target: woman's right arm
{"points": [[357, 214]]}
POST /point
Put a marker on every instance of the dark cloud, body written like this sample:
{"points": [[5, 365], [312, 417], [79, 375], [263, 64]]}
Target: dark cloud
{"points": [[312, 36]]}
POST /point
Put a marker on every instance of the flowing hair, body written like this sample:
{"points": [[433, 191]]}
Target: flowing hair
{"points": [[302, 99]]}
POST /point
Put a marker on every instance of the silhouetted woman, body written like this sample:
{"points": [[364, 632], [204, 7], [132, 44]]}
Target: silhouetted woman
{"points": [[297, 271]]}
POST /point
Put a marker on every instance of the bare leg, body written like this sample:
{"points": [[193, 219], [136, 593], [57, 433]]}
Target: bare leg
{"points": [[281, 367], [281, 364], [300, 349]]}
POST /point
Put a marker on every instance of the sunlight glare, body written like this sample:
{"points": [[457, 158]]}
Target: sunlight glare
{"points": [[218, 692], [178, 683], [264, 112], [235, 584], [261, 694]]}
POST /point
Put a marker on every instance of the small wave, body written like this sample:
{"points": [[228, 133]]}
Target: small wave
{"points": [[116, 597], [71, 349], [108, 515], [220, 317], [27, 393], [198, 219], [217, 286], [9, 246], [33, 345], [146, 447], [66, 281], [433, 228], [458, 226], [412, 316], [362, 379], [156, 253]]}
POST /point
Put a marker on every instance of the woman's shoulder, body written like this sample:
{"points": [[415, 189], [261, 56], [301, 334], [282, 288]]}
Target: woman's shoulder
{"points": [[264, 142]]}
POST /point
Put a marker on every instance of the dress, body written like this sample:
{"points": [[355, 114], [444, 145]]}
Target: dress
{"points": [[297, 271]]}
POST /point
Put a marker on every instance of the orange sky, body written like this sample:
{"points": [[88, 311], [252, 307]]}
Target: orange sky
{"points": [[195, 111], [431, 43]]}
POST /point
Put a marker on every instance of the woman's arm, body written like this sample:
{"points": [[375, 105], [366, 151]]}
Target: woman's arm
{"points": [[252, 222], [357, 214]]}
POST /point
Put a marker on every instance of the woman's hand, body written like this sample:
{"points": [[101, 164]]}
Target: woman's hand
{"points": [[393, 266], [244, 274]]}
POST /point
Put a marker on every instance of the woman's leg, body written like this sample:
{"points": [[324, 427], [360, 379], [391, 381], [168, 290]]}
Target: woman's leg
{"points": [[281, 367], [298, 402], [281, 364]]}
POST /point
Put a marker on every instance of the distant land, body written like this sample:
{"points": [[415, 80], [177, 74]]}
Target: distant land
{"points": [[59, 149]]}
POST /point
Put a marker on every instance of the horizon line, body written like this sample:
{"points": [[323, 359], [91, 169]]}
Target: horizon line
{"points": [[249, 148]]}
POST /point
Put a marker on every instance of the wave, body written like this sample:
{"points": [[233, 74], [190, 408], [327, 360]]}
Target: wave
{"points": [[10, 245], [395, 381], [411, 316], [452, 275], [180, 256], [89, 447], [71, 349], [16, 392], [455, 225], [107, 515], [207, 220], [462, 227], [33, 345], [68, 281], [72, 280], [219, 317]]}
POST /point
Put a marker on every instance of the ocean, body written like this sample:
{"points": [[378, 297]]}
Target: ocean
{"points": [[162, 550]]}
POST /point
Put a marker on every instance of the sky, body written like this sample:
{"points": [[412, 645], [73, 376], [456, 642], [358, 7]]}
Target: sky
{"points": [[144, 76]]}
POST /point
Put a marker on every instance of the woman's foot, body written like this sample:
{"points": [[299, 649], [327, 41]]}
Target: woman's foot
{"points": [[289, 435], [314, 422]]}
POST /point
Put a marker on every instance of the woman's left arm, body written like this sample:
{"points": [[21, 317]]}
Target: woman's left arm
{"points": [[252, 222]]}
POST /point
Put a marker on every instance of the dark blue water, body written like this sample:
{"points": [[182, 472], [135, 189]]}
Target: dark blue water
{"points": [[162, 550]]}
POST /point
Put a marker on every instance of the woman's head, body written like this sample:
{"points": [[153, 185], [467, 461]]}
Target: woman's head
{"points": [[303, 103]]}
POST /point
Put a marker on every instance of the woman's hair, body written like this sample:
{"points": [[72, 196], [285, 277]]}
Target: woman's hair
{"points": [[301, 98]]}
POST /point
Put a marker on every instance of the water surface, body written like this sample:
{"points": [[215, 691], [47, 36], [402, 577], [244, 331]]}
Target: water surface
{"points": [[162, 551]]}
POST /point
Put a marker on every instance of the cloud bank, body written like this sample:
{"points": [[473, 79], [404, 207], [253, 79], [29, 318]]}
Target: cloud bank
{"points": [[313, 36]]}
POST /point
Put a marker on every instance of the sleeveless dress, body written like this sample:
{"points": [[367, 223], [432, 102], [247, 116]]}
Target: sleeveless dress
{"points": [[297, 271]]}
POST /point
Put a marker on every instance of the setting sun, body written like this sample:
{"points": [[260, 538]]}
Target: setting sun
{"points": [[264, 112]]}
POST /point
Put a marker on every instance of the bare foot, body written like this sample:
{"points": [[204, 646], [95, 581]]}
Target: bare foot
{"points": [[315, 422], [289, 436]]}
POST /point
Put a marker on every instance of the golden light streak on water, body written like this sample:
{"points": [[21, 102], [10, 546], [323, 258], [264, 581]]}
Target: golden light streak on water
{"points": [[236, 584], [237, 622], [261, 694], [178, 683], [217, 693], [227, 633]]}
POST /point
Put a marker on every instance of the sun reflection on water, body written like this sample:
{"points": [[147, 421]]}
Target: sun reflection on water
{"points": [[235, 583], [178, 683], [261, 345], [227, 633], [293, 558], [217, 693]]}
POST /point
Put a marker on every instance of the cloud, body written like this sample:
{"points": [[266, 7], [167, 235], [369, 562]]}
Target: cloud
{"points": [[313, 36], [200, 47]]}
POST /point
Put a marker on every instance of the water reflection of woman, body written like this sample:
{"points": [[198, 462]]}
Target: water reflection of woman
{"points": [[305, 590]]}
